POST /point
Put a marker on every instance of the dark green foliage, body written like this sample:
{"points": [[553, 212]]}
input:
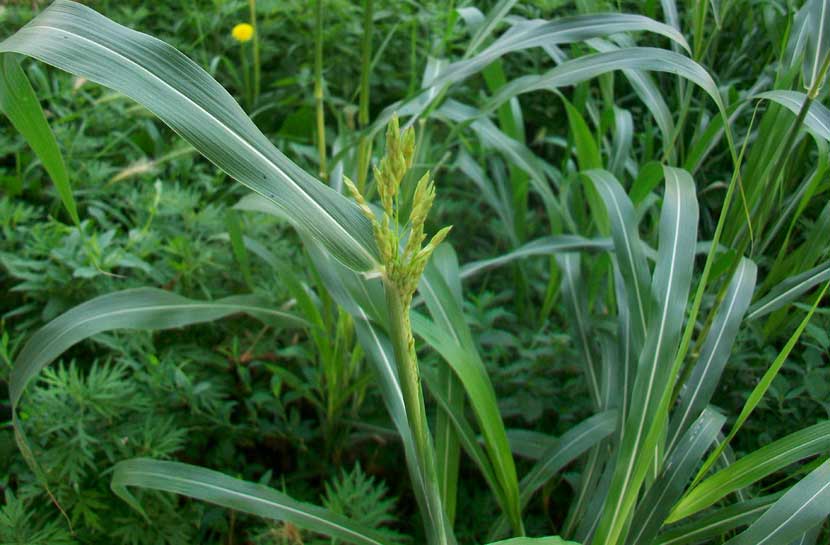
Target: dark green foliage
{"points": [[300, 410]]}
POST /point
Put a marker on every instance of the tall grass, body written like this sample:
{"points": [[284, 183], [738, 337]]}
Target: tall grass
{"points": [[654, 334]]}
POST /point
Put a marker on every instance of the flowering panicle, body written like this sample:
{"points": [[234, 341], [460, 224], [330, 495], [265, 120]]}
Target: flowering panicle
{"points": [[402, 266]]}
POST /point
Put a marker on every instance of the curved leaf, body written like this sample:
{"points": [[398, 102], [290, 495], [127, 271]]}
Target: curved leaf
{"points": [[627, 246], [544, 246], [818, 117], [670, 288], [656, 504], [564, 30], [716, 523], [141, 308], [590, 66], [220, 489]]}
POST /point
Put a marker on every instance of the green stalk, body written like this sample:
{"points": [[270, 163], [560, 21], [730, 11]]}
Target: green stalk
{"points": [[403, 343], [257, 68], [318, 88], [365, 146]]}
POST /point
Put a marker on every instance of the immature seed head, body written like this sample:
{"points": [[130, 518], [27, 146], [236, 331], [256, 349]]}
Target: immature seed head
{"points": [[401, 266]]}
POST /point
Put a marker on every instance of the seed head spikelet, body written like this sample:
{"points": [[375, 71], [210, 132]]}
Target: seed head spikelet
{"points": [[403, 257]]}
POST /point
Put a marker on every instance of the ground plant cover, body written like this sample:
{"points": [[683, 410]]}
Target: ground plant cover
{"points": [[540, 272]]}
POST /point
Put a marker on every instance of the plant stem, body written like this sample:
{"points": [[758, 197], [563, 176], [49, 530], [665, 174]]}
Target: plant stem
{"points": [[257, 73], [403, 343], [365, 146], [318, 88]]}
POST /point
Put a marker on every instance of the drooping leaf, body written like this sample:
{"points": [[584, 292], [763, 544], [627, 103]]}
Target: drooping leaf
{"points": [[535, 33], [818, 117], [220, 489], [77, 39]]}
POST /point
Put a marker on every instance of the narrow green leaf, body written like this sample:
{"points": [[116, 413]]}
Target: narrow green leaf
{"points": [[670, 288], [561, 451], [551, 540], [234, 226], [754, 467], [20, 104], [763, 384], [801, 508], [576, 304], [141, 308], [563, 30], [447, 442], [466, 436], [494, 17], [716, 523], [627, 246], [450, 337], [544, 246], [590, 66], [817, 47], [572, 444], [656, 504], [647, 90], [818, 117], [220, 489], [703, 381], [789, 290]]}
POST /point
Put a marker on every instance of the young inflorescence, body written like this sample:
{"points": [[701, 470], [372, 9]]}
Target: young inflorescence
{"points": [[402, 262]]}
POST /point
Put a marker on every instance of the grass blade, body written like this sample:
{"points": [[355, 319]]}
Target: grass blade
{"points": [[717, 523], [670, 286], [220, 489], [627, 246], [698, 390], [564, 30], [562, 451], [544, 246], [550, 540], [142, 308], [789, 290], [763, 384], [801, 508], [818, 117], [667, 489], [590, 66], [450, 337], [20, 104], [576, 304], [754, 467]]}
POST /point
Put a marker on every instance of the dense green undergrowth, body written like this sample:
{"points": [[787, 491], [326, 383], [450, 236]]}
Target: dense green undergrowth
{"points": [[295, 400]]}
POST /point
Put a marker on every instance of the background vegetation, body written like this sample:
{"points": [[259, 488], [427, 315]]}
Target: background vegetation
{"points": [[298, 407]]}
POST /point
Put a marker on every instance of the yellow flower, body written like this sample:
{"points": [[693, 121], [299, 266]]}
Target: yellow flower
{"points": [[243, 32]]}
